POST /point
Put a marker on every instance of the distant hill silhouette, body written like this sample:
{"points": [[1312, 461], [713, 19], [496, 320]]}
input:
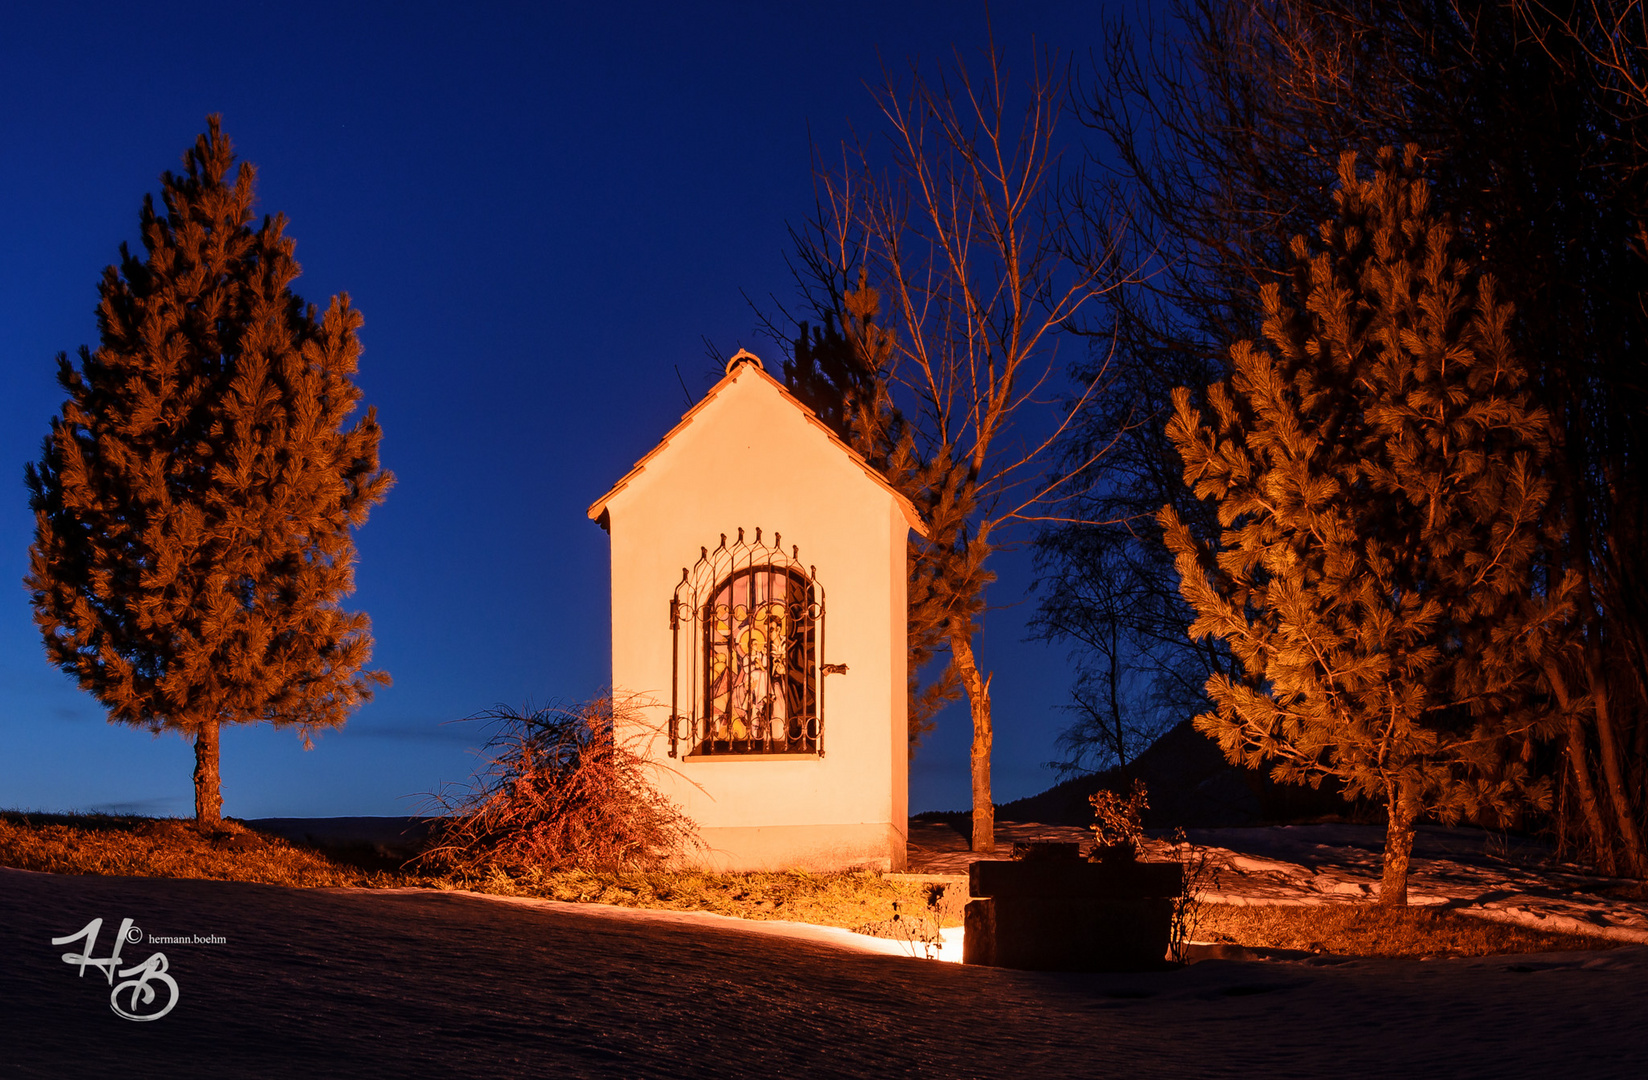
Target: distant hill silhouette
{"points": [[1189, 784]]}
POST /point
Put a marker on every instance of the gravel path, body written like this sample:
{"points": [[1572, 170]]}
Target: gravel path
{"points": [[342, 983]]}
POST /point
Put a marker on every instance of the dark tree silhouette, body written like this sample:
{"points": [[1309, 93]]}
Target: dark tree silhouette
{"points": [[841, 370], [1224, 131]]}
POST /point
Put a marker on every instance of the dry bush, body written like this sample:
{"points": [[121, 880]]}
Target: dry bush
{"points": [[1201, 874], [559, 792], [918, 926], [1118, 821]]}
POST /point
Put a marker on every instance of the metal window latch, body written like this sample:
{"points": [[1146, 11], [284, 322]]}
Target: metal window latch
{"points": [[835, 669]]}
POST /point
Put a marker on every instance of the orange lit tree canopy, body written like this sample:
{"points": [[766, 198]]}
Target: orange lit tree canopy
{"points": [[1378, 469], [194, 500]]}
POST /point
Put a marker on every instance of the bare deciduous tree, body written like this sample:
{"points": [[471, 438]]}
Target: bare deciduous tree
{"points": [[946, 239]]}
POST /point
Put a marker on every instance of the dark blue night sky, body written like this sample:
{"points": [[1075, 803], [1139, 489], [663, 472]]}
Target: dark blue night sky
{"points": [[543, 211]]}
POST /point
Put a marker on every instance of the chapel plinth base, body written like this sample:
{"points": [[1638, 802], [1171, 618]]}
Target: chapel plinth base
{"points": [[817, 848]]}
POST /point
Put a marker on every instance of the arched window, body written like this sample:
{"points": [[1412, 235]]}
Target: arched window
{"points": [[748, 626]]}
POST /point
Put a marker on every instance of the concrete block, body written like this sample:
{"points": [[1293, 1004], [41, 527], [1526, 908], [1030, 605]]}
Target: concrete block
{"points": [[1066, 916]]}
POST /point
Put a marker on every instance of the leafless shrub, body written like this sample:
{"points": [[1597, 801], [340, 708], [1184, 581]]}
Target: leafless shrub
{"points": [[1201, 873], [559, 791], [919, 932]]}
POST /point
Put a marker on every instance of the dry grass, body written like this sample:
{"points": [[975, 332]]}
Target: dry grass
{"points": [[171, 848], [847, 900], [1371, 930], [147, 847]]}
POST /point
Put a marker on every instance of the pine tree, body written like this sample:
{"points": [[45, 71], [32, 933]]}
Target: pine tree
{"points": [[1379, 475], [194, 499], [842, 372], [1224, 122]]}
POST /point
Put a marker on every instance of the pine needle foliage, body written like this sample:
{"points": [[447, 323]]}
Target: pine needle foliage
{"points": [[1379, 476], [843, 372], [194, 499]]}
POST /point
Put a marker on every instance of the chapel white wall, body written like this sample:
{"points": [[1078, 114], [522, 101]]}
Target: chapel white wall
{"points": [[751, 459]]}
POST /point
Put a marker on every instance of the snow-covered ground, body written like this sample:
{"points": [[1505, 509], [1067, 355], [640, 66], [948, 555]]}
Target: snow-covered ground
{"points": [[1470, 871], [343, 983]]}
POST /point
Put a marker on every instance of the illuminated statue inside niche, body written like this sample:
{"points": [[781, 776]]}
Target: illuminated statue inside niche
{"points": [[760, 660]]}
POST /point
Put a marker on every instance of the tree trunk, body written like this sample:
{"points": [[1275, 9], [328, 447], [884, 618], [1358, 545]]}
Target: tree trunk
{"points": [[1115, 685], [1602, 847], [208, 784], [978, 697], [1403, 812], [1590, 812], [1630, 840]]}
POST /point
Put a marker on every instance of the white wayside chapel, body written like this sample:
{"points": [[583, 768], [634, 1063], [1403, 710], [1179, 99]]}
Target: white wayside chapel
{"points": [[759, 631]]}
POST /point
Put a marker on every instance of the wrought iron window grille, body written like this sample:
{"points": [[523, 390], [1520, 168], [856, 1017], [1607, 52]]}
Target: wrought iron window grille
{"points": [[748, 627]]}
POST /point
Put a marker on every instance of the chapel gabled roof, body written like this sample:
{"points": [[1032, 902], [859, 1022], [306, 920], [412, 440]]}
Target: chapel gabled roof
{"points": [[735, 367]]}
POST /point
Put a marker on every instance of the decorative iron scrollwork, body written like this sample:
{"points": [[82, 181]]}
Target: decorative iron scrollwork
{"points": [[748, 627]]}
